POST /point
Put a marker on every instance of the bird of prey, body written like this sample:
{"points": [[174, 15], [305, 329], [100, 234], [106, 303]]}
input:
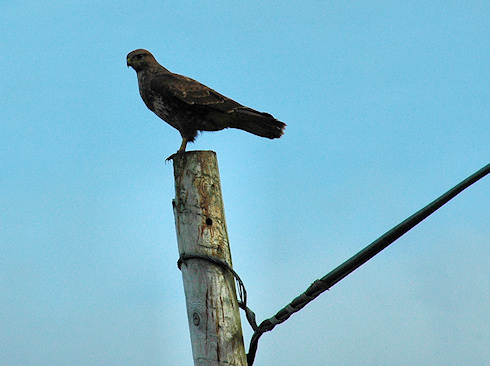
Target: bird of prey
{"points": [[190, 106]]}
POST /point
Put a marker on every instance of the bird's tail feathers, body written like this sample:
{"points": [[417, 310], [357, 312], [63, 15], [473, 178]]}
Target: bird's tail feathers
{"points": [[259, 123]]}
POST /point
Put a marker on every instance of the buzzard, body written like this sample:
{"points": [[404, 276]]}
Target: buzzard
{"points": [[190, 106]]}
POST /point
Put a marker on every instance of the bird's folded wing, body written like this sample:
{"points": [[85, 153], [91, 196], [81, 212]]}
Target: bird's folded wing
{"points": [[192, 92]]}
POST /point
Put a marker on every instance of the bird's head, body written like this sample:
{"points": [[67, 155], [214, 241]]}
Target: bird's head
{"points": [[141, 60]]}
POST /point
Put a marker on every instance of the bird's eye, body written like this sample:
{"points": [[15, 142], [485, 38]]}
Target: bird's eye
{"points": [[138, 57]]}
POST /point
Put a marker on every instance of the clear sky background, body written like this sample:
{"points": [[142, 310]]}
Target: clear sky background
{"points": [[387, 105]]}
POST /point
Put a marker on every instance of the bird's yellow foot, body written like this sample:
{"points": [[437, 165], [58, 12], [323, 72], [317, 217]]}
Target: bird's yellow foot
{"points": [[171, 157]]}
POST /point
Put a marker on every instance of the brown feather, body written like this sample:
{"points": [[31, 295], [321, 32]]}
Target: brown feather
{"points": [[190, 106]]}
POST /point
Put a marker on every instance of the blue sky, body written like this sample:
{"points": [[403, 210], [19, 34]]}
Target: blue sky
{"points": [[387, 106]]}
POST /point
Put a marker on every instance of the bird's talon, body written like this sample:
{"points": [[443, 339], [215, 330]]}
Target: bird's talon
{"points": [[171, 157]]}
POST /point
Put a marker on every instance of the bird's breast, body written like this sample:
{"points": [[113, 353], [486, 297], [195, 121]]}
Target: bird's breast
{"points": [[161, 107]]}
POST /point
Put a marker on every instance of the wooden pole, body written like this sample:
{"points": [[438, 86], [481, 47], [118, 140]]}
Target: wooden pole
{"points": [[212, 307]]}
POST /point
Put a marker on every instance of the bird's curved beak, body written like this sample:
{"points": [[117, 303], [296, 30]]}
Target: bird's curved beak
{"points": [[127, 62]]}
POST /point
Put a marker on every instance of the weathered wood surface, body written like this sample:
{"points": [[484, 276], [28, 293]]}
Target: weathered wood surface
{"points": [[212, 308]]}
